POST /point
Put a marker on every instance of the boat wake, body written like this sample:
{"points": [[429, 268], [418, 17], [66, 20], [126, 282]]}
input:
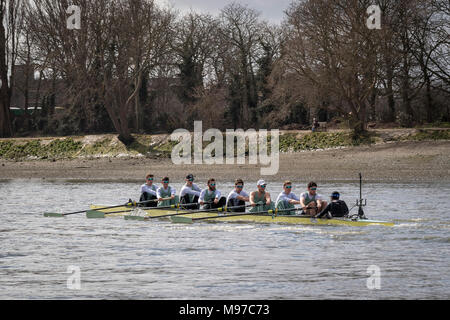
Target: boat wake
{"points": [[407, 225]]}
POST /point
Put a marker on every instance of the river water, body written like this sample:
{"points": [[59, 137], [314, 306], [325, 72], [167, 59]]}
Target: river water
{"points": [[43, 258]]}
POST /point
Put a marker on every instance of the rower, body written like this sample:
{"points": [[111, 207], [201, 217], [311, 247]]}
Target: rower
{"points": [[166, 192], [287, 199], [148, 192], [312, 202], [237, 197], [190, 192], [260, 200], [336, 208], [210, 198]]}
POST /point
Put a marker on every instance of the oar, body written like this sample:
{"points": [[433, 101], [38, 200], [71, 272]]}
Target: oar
{"points": [[130, 203], [142, 218], [174, 206], [191, 220], [221, 209], [55, 214], [96, 214]]}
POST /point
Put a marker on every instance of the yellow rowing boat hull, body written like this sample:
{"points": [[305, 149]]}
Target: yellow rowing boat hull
{"points": [[250, 218]]}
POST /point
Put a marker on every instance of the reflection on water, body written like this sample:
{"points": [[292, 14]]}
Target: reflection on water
{"points": [[158, 260]]}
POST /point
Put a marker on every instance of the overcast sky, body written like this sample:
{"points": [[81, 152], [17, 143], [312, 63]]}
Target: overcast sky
{"points": [[271, 10]]}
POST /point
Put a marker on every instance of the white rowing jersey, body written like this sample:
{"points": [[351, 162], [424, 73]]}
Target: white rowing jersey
{"points": [[194, 190], [286, 197], [149, 189], [233, 194]]}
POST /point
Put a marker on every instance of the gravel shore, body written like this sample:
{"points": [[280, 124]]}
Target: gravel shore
{"points": [[397, 162]]}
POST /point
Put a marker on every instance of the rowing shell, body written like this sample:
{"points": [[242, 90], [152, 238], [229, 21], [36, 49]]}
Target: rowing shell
{"points": [[250, 218]]}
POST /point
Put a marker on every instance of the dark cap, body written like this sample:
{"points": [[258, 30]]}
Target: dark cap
{"points": [[335, 195], [190, 176]]}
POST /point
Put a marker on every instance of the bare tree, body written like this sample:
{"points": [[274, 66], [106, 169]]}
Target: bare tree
{"points": [[71, 57], [11, 15], [439, 53], [241, 34], [330, 46], [193, 46], [132, 52], [120, 41], [417, 31]]}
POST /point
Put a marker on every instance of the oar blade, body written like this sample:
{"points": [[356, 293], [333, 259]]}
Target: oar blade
{"points": [[181, 219], [136, 218], [93, 214], [53, 214]]}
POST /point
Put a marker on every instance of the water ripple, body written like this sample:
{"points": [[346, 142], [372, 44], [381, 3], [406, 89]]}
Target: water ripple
{"points": [[120, 259]]}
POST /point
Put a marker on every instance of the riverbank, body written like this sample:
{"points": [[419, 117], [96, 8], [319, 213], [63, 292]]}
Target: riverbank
{"points": [[160, 146], [394, 161]]}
